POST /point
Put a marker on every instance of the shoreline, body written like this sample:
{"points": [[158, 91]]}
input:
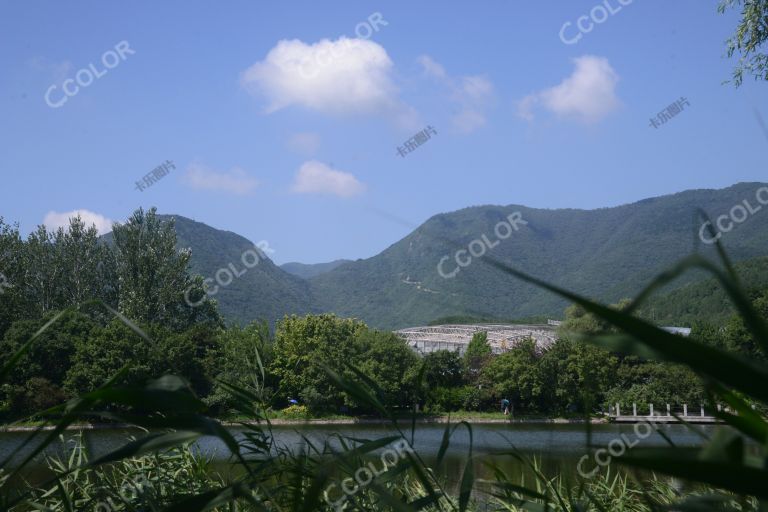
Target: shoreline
{"points": [[438, 420]]}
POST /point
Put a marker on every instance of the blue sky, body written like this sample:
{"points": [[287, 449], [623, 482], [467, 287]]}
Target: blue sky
{"points": [[282, 131]]}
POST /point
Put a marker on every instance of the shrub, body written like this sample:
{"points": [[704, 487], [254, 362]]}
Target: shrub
{"points": [[296, 412]]}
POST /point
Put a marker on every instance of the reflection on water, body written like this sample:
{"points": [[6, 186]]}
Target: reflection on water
{"points": [[557, 447]]}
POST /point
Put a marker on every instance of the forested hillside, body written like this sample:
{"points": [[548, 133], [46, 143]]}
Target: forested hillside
{"points": [[607, 254]]}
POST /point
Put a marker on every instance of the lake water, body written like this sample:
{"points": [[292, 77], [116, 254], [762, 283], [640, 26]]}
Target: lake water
{"points": [[557, 447]]}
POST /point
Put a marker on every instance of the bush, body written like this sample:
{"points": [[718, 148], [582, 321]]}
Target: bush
{"points": [[38, 394], [295, 412]]}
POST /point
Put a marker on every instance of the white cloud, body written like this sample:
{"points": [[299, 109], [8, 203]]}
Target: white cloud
{"points": [[235, 181], [305, 142], [317, 178], [263, 245], [346, 76], [469, 120], [57, 70], [472, 94], [588, 95], [431, 67], [54, 220]]}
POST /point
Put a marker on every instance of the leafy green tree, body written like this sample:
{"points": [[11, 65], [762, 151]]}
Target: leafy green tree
{"points": [[303, 346], [443, 368], [645, 383], [478, 354], [579, 320], [44, 276], [189, 354], [87, 265], [388, 360], [576, 375], [515, 375], [106, 351], [751, 34], [153, 276], [50, 355], [235, 360], [13, 302], [51, 271], [736, 337]]}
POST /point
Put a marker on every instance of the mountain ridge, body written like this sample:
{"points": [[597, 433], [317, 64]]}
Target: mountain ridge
{"points": [[606, 253]]}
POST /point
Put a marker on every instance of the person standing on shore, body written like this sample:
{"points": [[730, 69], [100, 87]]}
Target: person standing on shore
{"points": [[505, 406]]}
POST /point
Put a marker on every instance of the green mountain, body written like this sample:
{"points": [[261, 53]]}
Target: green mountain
{"points": [[608, 254], [306, 271], [705, 299], [263, 291]]}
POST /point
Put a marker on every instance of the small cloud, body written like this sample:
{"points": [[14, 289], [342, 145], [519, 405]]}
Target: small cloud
{"points": [[54, 220], [264, 247], [317, 178], [471, 94], [58, 71], [306, 142], [431, 67], [469, 120], [235, 181], [346, 76], [588, 95]]}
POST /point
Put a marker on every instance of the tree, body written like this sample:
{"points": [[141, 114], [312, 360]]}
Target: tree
{"points": [[655, 383], [388, 360], [13, 302], [736, 337], [153, 276], [235, 360], [576, 375], [443, 368], [751, 34], [478, 354], [87, 265], [106, 351], [577, 319], [303, 347], [51, 354], [515, 375]]}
